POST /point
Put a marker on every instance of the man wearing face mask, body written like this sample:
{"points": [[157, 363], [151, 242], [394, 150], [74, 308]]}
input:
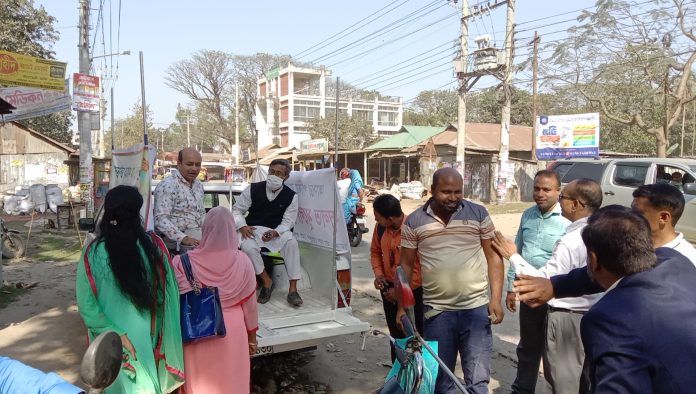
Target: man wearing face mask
{"points": [[271, 211]]}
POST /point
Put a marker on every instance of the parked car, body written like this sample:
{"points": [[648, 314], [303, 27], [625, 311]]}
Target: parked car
{"points": [[619, 177]]}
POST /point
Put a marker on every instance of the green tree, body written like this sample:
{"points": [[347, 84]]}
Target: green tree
{"points": [[208, 78], [486, 107], [353, 133], [432, 108], [631, 64], [128, 131], [29, 30]]}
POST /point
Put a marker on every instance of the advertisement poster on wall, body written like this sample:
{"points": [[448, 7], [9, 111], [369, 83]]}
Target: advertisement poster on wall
{"points": [[567, 136]]}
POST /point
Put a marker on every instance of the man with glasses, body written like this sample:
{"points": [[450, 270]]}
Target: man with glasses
{"points": [[563, 354], [271, 210], [540, 227]]}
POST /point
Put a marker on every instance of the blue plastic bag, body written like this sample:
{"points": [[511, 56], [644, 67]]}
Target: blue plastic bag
{"points": [[430, 367]]}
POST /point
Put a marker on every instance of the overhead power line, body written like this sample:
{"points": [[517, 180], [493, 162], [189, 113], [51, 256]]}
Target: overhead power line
{"points": [[417, 30], [326, 42], [383, 30]]}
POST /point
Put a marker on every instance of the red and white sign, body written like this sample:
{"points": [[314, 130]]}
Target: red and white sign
{"points": [[85, 93]]}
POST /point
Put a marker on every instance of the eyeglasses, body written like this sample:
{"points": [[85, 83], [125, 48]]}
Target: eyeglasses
{"points": [[562, 197]]}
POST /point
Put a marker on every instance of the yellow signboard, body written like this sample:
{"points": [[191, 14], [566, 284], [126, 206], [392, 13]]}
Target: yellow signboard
{"points": [[23, 70]]}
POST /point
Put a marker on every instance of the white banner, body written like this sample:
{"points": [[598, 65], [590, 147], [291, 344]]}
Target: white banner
{"points": [[33, 102], [133, 167], [316, 191]]}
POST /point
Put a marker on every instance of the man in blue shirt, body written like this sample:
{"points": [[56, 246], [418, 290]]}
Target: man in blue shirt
{"points": [[540, 227]]}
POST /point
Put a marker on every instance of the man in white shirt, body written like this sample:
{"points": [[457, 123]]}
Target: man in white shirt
{"points": [[563, 354], [179, 210], [663, 204], [271, 211]]}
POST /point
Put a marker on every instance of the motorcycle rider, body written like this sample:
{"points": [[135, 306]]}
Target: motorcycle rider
{"points": [[355, 191]]}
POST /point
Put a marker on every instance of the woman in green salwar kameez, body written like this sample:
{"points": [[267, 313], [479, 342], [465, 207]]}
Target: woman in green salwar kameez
{"points": [[126, 284]]}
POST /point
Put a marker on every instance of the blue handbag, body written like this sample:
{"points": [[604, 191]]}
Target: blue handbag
{"points": [[201, 311]]}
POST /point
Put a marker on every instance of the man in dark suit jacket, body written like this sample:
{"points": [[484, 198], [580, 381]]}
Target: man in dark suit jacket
{"points": [[641, 336]]}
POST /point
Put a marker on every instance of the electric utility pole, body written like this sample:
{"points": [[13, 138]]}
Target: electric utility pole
{"points": [[84, 119], [535, 94], [236, 124], [487, 66], [503, 167], [463, 82], [188, 129]]}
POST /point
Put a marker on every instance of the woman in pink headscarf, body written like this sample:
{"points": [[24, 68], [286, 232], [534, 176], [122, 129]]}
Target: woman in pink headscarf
{"points": [[222, 365]]}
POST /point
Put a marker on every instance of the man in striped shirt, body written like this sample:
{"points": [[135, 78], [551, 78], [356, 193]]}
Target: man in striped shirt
{"points": [[453, 237]]}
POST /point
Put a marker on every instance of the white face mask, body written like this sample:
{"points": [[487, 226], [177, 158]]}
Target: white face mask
{"points": [[274, 182]]}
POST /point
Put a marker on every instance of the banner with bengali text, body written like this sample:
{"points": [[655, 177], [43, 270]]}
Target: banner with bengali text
{"points": [[32, 102], [85, 93], [133, 167], [567, 136], [317, 190], [22, 70]]}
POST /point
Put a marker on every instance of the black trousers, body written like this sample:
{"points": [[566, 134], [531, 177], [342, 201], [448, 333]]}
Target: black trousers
{"points": [[390, 310]]}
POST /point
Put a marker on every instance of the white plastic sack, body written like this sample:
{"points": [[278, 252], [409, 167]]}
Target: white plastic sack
{"points": [[38, 195], [26, 205], [54, 197], [10, 205]]}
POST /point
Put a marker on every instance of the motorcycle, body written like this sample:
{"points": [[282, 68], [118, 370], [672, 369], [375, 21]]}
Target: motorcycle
{"points": [[357, 226], [12, 244]]}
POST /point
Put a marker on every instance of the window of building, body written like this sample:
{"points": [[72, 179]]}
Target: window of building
{"points": [[302, 113], [362, 115], [369, 107], [312, 103], [388, 119]]}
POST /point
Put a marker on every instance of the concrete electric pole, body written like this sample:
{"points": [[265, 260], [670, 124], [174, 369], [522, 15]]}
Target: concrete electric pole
{"points": [[84, 119], [535, 93], [463, 82], [236, 124], [503, 167]]}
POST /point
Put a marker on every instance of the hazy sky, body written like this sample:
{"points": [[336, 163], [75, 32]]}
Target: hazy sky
{"points": [[401, 58]]}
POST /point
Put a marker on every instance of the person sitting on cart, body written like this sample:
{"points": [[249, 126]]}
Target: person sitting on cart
{"points": [[271, 210]]}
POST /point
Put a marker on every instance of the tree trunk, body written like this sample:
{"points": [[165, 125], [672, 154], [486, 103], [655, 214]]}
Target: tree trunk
{"points": [[661, 149]]}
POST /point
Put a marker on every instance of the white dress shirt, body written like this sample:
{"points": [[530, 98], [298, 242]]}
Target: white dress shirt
{"points": [[568, 253], [243, 203], [682, 246]]}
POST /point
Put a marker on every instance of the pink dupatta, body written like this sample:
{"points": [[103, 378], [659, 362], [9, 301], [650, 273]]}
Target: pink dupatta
{"points": [[218, 262]]}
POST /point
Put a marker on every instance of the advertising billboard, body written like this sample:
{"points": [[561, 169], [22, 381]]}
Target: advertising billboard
{"points": [[567, 136]]}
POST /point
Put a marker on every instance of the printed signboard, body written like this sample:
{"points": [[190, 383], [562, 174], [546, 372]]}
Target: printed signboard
{"points": [[32, 102], [320, 145], [567, 136], [23, 70], [85, 93]]}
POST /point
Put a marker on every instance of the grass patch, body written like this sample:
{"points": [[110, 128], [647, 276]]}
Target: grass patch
{"points": [[510, 207], [56, 249], [9, 294]]}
